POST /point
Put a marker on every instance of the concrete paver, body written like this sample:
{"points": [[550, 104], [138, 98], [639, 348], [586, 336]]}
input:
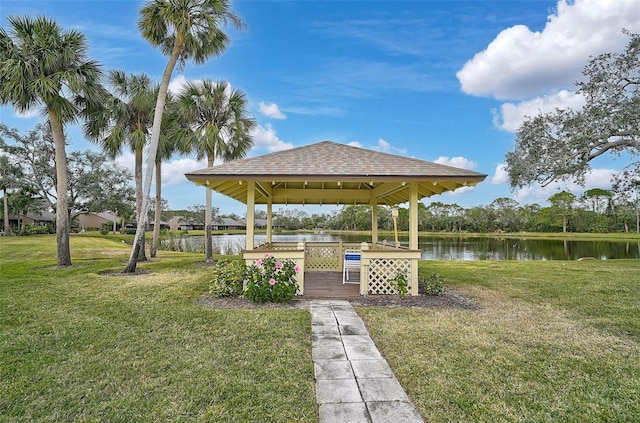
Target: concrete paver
{"points": [[338, 390], [354, 383], [371, 369], [350, 412], [333, 369]]}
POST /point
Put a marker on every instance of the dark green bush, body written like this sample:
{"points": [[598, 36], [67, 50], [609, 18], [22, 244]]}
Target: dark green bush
{"points": [[433, 284], [37, 230], [228, 278]]}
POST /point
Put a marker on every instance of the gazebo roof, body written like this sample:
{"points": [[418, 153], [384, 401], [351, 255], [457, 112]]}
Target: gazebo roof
{"points": [[332, 173]]}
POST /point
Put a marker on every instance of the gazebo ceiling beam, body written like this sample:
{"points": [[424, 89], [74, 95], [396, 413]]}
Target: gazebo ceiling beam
{"points": [[237, 191], [349, 192], [265, 191], [386, 189], [302, 193], [223, 186], [449, 185]]}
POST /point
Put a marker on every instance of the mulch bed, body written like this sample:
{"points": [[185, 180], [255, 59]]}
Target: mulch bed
{"points": [[451, 299]]}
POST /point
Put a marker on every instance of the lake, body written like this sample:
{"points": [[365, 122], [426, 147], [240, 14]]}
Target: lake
{"points": [[452, 248]]}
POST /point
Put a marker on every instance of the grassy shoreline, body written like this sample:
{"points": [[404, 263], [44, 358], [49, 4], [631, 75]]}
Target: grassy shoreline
{"points": [[575, 236], [550, 341]]}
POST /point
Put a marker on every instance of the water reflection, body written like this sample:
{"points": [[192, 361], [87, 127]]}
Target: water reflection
{"points": [[448, 248], [452, 248]]}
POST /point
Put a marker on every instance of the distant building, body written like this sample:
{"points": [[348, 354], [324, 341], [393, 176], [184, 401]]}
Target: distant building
{"points": [[257, 223], [227, 224], [96, 221], [180, 223], [177, 223], [33, 219]]}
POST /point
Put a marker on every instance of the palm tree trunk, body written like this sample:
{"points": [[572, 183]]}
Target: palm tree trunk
{"points": [[7, 226], [138, 177], [153, 149], [158, 211], [62, 207]]}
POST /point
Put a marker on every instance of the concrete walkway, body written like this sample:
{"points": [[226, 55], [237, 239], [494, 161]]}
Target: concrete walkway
{"points": [[353, 381]]}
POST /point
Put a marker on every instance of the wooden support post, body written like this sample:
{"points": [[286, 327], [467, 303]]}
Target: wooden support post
{"points": [[374, 223], [251, 213], [269, 220]]}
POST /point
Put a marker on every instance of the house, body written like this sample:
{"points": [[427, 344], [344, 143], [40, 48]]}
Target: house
{"points": [[33, 219], [227, 223], [96, 221], [177, 223], [258, 223], [181, 223]]}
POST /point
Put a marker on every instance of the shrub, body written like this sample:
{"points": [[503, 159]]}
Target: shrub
{"points": [[270, 279], [400, 284], [104, 232], [228, 278], [431, 285], [37, 230]]}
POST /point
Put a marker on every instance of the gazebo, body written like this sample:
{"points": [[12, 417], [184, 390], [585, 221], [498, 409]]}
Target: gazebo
{"points": [[336, 174]]}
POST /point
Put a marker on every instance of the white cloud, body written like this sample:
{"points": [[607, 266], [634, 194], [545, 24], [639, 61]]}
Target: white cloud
{"points": [[177, 84], [520, 63], [265, 137], [501, 176], [382, 146], [459, 191], [127, 160], [459, 162], [512, 115], [28, 114], [271, 110], [596, 178], [173, 171], [386, 147]]}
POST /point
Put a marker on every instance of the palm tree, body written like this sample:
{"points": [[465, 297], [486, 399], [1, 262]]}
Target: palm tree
{"points": [[183, 29], [126, 120], [220, 128], [42, 65]]}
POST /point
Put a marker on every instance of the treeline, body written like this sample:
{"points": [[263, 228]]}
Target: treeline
{"points": [[595, 211]]}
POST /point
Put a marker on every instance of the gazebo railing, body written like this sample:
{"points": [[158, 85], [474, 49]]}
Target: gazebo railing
{"points": [[380, 265]]}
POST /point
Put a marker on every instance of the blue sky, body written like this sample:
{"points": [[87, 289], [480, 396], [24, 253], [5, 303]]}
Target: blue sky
{"points": [[443, 81]]}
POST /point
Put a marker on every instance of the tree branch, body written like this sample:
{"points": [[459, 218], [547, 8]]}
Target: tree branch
{"points": [[611, 145]]}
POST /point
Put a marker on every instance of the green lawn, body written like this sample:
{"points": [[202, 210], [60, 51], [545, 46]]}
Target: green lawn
{"points": [[81, 345], [552, 341]]}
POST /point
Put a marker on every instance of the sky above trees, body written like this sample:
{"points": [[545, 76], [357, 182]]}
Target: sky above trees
{"points": [[442, 81]]}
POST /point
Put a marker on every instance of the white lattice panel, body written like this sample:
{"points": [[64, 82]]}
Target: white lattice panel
{"points": [[383, 270], [322, 258]]}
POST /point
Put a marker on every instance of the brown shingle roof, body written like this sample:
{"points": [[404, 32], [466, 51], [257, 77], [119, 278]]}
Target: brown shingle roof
{"points": [[332, 173], [330, 159]]}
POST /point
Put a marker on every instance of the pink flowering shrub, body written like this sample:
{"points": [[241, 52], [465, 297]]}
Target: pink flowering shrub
{"points": [[270, 279]]}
